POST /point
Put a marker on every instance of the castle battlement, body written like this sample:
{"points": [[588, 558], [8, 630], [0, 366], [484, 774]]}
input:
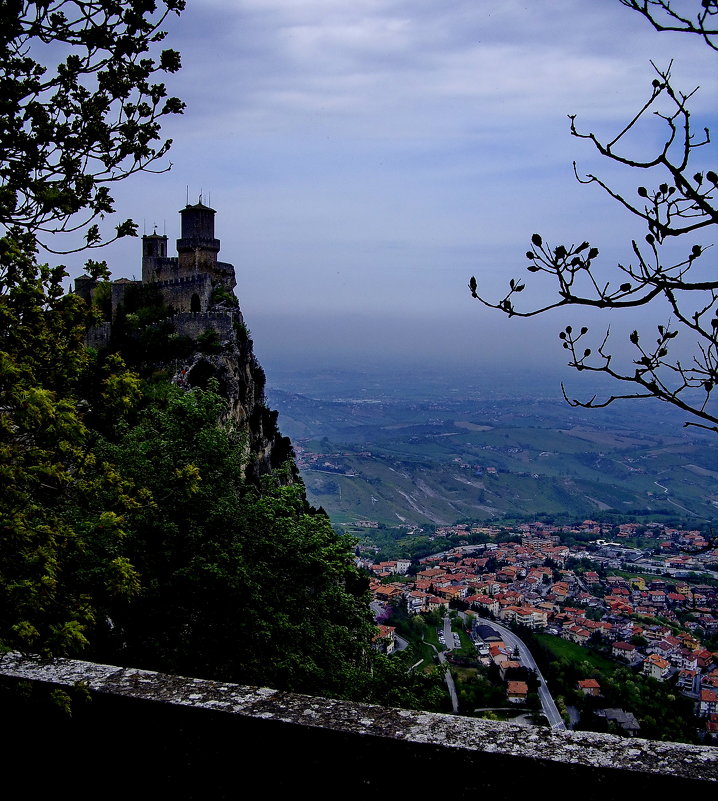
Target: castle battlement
{"points": [[185, 282], [194, 324], [185, 279], [215, 314]]}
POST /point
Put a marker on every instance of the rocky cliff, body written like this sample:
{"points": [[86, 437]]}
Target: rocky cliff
{"points": [[183, 320], [224, 352]]}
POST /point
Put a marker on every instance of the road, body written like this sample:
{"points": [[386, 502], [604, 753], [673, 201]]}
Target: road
{"points": [[548, 705], [448, 678]]}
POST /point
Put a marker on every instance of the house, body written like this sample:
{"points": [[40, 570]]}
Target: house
{"points": [[656, 667], [488, 634], [499, 654], [387, 593], [708, 703], [434, 604], [385, 640], [624, 650], [416, 602], [506, 666], [483, 603], [517, 691], [589, 687], [687, 679], [576, 633], [705, 659], [624, 720], [688, 659]]}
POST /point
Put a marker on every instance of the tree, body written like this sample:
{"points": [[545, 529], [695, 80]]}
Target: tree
{"points": [[240, 581], [79, 109], [667, 15], [678, 206], [59, 559]]}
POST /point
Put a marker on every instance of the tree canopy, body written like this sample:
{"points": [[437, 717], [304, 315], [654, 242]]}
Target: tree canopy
{"points": [[77, 112], [676, 203], [80, 108]]}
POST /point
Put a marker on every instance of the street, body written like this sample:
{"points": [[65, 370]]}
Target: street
{"points": [[548, 705]]}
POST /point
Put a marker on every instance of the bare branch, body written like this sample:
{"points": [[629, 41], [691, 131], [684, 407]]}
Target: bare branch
{"points": [[681, 203], [663, 15]]}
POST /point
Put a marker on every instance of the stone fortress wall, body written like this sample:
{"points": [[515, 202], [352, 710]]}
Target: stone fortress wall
{"points": [[193, 324], [185, 283]]}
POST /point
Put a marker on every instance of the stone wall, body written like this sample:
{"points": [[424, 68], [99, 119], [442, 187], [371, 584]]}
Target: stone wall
{"points": [[178, 292], [134, 732], [118, 291], [98, 336], [192, 325], [159, 268]]}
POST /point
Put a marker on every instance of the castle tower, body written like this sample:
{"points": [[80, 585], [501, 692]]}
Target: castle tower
{"points": [[154, 248], [197, 248]]}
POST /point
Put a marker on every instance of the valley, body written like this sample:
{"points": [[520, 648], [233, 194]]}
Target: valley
{"points": [[457, 451]]}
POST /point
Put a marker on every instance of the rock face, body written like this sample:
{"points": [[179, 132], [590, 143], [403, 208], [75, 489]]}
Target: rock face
{"points": [[183, 317], [241, 380]]}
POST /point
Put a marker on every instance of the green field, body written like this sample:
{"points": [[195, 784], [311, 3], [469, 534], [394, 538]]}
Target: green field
{"points": [[575, 653], [441, 460]]}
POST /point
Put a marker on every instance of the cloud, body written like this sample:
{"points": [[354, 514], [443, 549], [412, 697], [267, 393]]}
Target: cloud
{"points": [[375, 153]]}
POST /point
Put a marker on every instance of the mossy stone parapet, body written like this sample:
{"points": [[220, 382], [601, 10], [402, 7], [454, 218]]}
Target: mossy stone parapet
{"points": [[204, 738]]}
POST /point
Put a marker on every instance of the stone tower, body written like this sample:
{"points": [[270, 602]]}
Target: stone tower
{"points": [[154, 255], [197, 248]]}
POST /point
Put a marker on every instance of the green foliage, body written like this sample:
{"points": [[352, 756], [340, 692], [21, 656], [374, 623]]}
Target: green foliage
{"points": [[48, 599], [662, 713], [220, 294], [208, 342], [80, 108], [129, 528]]}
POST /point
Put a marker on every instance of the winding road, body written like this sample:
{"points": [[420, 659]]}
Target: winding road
{"points": [[548, 705]]}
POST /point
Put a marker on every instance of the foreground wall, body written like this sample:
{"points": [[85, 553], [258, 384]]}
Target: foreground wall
{"points": [[138, 732]]}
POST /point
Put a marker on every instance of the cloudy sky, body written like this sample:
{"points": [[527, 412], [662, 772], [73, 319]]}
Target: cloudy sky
{"points": [[365, 157]]}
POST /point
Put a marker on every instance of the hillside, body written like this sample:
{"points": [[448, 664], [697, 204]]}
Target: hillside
{"points": [[452, 455]]}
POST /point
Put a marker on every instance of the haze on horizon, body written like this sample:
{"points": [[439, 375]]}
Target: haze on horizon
{"points": [[365, 158]]}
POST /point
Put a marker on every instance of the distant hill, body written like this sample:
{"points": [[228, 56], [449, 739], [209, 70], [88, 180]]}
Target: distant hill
{"points": [[444, 457]]}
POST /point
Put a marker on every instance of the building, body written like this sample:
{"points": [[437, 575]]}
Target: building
{"points": [[656, 667], [194, 287]]}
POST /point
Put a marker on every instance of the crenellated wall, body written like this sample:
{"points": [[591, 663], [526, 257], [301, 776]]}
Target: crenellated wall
{"points": [[193, 325], [188, 293]]}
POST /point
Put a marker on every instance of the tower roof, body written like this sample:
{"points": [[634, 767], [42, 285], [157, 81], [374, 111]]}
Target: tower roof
{"points": [[197, 207]]}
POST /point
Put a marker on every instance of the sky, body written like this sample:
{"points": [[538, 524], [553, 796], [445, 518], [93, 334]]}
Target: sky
{"points": [[366, 157]]}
